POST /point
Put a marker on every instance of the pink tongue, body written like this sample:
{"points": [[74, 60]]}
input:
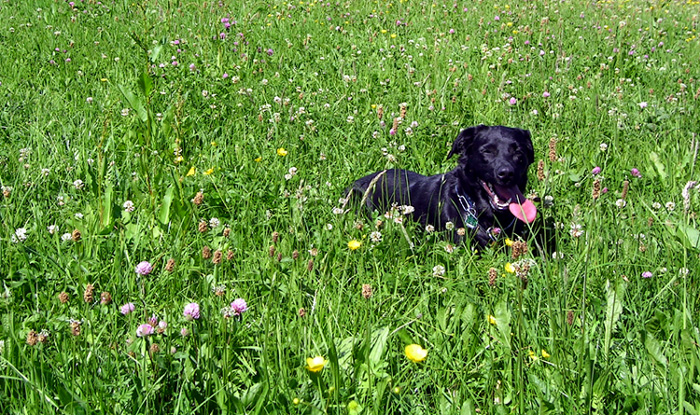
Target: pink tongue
{"points": [[525, 212]]}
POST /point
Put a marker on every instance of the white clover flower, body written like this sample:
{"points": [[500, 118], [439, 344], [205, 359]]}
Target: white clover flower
{"points": [[375, 237], [576, 230], [621, 203], [20, 235], [129, 206], [66, 237], [438, 271], [214, 223], [337, 211], [670, 206], [78, 184], [53, 229]]}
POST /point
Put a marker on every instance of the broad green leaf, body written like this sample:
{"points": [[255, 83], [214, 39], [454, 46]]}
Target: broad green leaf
{"points": [[655, 350], [614, 309], [164, 212], [135, 102], [690, 235], [379, 338], [657, 164]]}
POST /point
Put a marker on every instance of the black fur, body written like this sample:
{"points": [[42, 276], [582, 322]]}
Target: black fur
{"points": [[487, 154]]}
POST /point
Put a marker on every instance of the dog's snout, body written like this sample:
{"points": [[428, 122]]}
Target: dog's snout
{"points": [[505, 174]]}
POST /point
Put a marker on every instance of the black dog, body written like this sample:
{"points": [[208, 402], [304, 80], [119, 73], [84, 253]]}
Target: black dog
{"points": [[484, 194]]}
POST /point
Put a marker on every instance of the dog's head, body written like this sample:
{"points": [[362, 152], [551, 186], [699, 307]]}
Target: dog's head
{"points": [[498, 158]]}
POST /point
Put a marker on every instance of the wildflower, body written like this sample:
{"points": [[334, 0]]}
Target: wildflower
{"points": [[449, 226], [191, 172], [127, 308], [545, 94], [214, 222], [647, 274], [643, 104], [620, 203], [603, 146], [20, 235], [509, 268], [415, 353], [513, 101], [595, 171], [635, 173], [491, 319], [429, 228], [184, 332], [76, 235], [354, 244], [53, 229], [315, 364], [239, 306], [144, 268], [209, 172], [78, 184], [129, 206], [282, 152], [576, 230], [66, 237], [438, 271], [532, 355], [144, 330], [191, 311], [105, 298], [545, 354], [375, 236], [670, 206]]}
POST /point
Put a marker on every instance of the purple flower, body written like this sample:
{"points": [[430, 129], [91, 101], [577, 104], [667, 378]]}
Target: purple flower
{"points": [[270, 52], [191, 311], [545, 94], [222, 35], [452, 31], [184, 332], [496, 18], [513, 101], [647, 274], [643, 104], [239, 306], [595, 171], [636, 173], [127, 308], [192, 67], [225, 75], [153, 321], [144, 268], [144, 330]]}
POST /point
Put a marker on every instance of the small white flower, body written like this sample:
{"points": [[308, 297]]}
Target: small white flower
{"points": [[429, 228], [438, 271], [621, 203], [337, 211], [66, 237], [329, 226], [214, 223], [129, 206], [670, 206], [45, 172], [125, 112], [449, 226], [407, 209], [78, 215], [656, 205], [603, 146], [398, 220], [576, 230], [53, 229], [683, 272], [78, 184], [20, 235], [375, 237]]}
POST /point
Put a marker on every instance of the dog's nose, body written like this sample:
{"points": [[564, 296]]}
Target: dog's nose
{"points": [[505, 174]]}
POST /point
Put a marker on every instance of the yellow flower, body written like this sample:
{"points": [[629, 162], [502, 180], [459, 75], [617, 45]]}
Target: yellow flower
{"points": [[213, 144], [545, 354], [354, 244], [532, 355], [282, 152], [296, 401], [210, 171], [258, 159], [383, 31], [315, 364], [191, 172], [393, 35], [509, 242], [179, 159], [415, 353], [491, 319], [510, 268]]}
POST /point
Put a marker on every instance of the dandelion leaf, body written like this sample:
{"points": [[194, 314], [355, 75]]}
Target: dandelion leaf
{"points": [[379, 338], [660, 169], [654, 349]]}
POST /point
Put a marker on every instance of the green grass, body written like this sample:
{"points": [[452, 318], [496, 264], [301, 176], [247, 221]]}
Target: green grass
{"points": [[91, 93]]}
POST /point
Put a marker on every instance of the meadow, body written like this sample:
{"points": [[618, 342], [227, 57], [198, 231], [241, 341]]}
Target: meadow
{"points": [[172, 238]]}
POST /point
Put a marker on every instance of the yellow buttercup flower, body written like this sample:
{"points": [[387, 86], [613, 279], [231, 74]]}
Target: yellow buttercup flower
{"points": [[532, 355], [282, 152], [315, 364], [354, 244], [258, 159], [545, 354], [210, 171], [510, 268], [415, 353], [191, 172], [491, 319], [509, 242]]}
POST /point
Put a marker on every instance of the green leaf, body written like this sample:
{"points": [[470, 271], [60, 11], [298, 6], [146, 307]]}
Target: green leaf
{"points": [[145, 84], [503, 322], [135, 102], [689, 235], [657, 164], [614, 309], [107, 205], [655, 350], [379, 338], [164, 212]]}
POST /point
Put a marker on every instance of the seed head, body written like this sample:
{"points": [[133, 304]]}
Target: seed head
{"points": [[229, 255], [493, 274], [170, 265], [203, 226], [154, 349], [380, 112], [302, 312], [295, 255], [310, 265], [596, 189], [206, 252], [540, 170], [63, 297], [198, 198], [275, 237], [271, 251], [105, 298], [625, 189], [76, 235], [553, 149], [519, 248], [366, 291], [217, 257], [227, 232], [88, 295], [32, 338], [570, 317], [75, 327]]}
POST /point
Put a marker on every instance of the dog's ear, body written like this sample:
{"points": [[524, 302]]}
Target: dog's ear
{"points": [[464, 140], [527, 142]]}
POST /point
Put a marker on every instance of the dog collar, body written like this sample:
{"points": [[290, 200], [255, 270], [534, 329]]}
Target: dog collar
{"points": [[468, 208]]}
